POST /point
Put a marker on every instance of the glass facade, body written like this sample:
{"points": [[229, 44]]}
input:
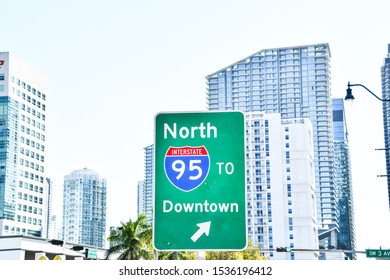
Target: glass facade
{"points": [[385, 74], [294, 82], [8, 156], [145, 204], [84, 209], [342, 173], [24, 199]]}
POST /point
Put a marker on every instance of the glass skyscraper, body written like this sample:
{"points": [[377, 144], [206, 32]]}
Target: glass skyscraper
{"points": [[24, 192], [295, 82], [385, 74], [84, 209], [145, 191], [342, 172]]}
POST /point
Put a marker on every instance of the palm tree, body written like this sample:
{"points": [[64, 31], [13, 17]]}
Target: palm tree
{"points": [[132, 240]]}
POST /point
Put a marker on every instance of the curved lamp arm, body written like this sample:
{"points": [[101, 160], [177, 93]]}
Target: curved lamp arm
{"points": [[350, 96]]}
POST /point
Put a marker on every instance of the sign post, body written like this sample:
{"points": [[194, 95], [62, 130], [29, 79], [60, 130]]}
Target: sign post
{"points": [[199, 194]]}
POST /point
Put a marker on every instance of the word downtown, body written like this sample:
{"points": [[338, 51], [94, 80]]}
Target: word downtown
{"points": [[169, 206]]}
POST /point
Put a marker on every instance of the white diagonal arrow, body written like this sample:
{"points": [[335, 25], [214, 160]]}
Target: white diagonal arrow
{"points": [[203, 228]]}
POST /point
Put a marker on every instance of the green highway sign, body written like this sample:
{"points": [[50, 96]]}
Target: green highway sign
{"points": [[199, 191], [377, 253]]}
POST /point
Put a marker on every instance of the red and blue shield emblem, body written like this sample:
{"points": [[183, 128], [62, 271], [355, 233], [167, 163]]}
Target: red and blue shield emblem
{"points": [[187, 167]]}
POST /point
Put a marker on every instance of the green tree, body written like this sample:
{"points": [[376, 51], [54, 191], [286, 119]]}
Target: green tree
{"points": [[131, 241], [180, 255], [223, 255], [250, 253]]}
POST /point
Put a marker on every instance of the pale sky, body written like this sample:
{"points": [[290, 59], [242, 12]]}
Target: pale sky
{"points": [[113, 65]]}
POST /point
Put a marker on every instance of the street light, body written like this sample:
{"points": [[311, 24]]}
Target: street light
{"points": [[349, 95]]}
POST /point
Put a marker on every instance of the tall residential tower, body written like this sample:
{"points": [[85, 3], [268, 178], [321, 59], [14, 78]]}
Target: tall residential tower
{"points": [[385, 73], [145, 187], [84, 209], [280, 185], [295, 82], [24, 193]]}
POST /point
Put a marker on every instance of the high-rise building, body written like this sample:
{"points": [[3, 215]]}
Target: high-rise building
{"points": [[295, 82], [49, 190], [23, 190], [280, 185], [385, 74], [140, 198], [342, 173], [84, 208], [145, 191]]}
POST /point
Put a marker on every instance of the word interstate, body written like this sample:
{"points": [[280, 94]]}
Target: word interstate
{"points": [[208, 131]]}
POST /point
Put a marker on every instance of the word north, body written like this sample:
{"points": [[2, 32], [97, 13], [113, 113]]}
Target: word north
{"points": [[202, 131]]}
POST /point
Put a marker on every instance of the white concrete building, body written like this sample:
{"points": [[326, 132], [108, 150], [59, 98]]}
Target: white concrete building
{"points": [[281, 185]]}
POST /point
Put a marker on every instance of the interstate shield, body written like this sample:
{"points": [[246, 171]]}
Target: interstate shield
{"points": [[187, 167]]}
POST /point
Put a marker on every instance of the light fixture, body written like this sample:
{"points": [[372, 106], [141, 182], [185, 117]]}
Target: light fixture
{"points": [[349, 95]]}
